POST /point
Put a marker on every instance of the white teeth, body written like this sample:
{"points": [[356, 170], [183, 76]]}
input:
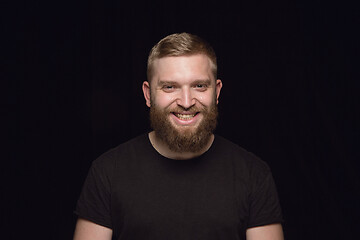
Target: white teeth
{"points": [[184, 116]]}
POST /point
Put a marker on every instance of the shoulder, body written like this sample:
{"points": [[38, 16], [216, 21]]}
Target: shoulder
{"points": [[122, 152], [240, 158], [234, 151]]}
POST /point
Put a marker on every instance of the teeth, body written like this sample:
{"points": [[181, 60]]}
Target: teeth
{"points": [[184, 116]]}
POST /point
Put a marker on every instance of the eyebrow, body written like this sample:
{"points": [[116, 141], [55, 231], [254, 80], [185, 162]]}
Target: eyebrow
{"points": [[202, 81], [198, 81], [165, 82]]}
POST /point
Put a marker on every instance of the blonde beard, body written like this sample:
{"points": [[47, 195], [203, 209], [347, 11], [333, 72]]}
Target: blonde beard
{"points": [[184, 140]]}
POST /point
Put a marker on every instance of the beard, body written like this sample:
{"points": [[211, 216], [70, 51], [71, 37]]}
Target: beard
{"points": [[184, 138]]}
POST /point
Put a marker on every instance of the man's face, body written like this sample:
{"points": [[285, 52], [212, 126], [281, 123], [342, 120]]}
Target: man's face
{"points": [[183, 101]]}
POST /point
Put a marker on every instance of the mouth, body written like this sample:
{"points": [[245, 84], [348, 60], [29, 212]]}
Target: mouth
{"points": [[185, 117]]}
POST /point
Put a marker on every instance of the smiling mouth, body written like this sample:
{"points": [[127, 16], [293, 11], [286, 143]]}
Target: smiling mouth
{"points": [[185, 116]]}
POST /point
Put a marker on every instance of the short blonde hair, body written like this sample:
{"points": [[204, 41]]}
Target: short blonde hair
{"points": [[181, 44]]}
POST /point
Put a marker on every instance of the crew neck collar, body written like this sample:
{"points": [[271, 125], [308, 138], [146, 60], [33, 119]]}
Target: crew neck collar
{"points": [[150, 144]]}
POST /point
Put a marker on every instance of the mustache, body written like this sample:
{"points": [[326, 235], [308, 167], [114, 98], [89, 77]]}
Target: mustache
{"points": [[183, 109]]}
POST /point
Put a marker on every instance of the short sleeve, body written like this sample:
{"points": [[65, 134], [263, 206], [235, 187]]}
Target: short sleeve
{"points": [[264, 202], [94, 200]]}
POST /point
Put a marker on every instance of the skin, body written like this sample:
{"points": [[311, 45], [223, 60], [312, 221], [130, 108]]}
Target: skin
{"points": [[86, 230], [183, 82], [267, 232]]}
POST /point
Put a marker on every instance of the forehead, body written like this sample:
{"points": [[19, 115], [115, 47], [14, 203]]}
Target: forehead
{"points": [[182, 67]]}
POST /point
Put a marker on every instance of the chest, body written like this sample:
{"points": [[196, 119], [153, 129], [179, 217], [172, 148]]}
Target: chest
{"points": [[177, 203]]}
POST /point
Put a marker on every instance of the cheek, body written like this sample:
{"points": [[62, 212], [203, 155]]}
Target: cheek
{"points": [[207, 99], [164, 100]]}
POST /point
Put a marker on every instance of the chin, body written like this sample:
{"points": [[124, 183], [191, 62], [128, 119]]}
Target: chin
{"points": [[185, 128]]}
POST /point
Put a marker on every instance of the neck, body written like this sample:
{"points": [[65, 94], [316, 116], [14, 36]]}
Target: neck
{"points": [[162, 148]]}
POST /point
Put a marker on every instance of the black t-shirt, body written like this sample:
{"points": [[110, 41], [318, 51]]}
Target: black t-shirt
{"points": [[140, 194]]}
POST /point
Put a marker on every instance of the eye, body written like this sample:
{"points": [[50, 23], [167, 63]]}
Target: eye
{"points": [[201, 87], [168, 88]]}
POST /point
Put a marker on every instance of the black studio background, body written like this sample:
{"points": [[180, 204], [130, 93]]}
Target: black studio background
{"points": [[73, 72]]}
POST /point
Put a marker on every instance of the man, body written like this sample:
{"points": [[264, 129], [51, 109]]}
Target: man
{"points": [[179, 181]]}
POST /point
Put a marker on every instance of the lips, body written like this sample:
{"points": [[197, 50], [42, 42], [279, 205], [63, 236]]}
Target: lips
{"points": [[185, 117]]}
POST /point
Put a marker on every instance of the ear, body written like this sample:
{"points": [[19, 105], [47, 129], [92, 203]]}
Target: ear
{"points": [[146, 91], [218, 89]]}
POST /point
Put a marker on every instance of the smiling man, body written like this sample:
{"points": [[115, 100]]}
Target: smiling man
{"points": [[179, 181], [182, 96]]}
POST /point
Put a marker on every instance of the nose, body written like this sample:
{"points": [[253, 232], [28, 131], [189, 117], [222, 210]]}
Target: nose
{"points": [[186, 99]]}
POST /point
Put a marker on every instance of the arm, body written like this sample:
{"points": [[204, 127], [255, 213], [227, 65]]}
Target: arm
{"points": [[267, 232], [86, 230]]}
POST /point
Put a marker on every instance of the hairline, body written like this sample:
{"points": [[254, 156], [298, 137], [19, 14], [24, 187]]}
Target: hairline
{"points": [[150, 66]]}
